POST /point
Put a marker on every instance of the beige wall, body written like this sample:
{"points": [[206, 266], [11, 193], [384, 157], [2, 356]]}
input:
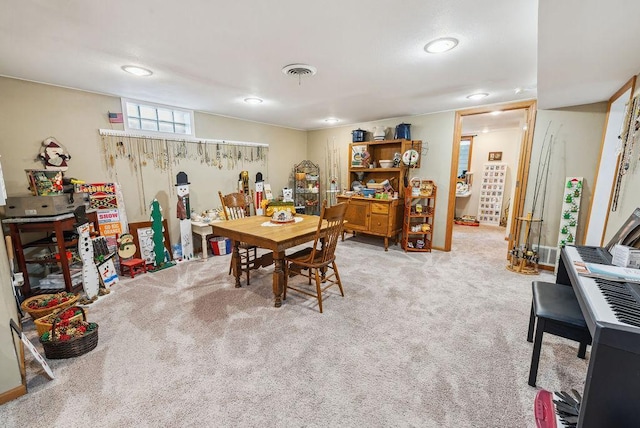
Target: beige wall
{"points": [[10, 377], [434, 130], [507, 141], [575, 134], [31, 112]]}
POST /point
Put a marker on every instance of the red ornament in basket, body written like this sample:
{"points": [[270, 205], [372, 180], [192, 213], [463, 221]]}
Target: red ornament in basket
{"points": [[44, 304], [70, 337], [44, 324]]}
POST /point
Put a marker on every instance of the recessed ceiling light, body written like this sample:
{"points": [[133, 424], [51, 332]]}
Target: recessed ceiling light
{"points": [[441, 45], [253, 100], [332, 120], [477, 96], [518, 90], [137, 71], [485, 130], [495, 113]]}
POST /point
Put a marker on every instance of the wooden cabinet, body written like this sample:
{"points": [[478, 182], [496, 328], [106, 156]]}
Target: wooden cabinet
{"points": [[419, 213], [60, 238], [306, 190], [378, 217]]}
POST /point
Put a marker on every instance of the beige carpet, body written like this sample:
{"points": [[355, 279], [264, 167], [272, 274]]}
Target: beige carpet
{"points": [[422, 340]]}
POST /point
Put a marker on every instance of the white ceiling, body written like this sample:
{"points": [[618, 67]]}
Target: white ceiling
{"points": [[490, 122], [209, 55]]}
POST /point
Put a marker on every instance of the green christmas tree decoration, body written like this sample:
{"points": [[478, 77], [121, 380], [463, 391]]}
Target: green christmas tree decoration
{"points": [[161, 261]]}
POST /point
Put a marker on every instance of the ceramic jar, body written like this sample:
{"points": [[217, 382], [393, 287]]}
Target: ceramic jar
{"points": [[379, 133]]}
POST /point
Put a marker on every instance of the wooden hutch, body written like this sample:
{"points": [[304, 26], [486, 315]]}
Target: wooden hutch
{"points": [[368, 215]]}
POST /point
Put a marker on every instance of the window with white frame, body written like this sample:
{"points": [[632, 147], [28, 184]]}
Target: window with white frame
{"points": [[147, 117]]}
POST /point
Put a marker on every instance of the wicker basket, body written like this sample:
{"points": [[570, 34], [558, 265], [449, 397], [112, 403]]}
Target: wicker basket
{"points": [[45, 323], [56, 349], [39, 313]]}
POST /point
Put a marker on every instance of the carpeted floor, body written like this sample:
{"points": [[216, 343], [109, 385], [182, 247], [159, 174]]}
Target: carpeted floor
{"points": [[419, 340]]}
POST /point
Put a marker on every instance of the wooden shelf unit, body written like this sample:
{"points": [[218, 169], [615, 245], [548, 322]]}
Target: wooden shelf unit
{"points": [[57, 226], [384, 150], [378, 217], [419, 211], [306, 191]]}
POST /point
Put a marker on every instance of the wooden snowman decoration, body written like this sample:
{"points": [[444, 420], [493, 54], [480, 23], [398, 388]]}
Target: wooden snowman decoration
{"points": [[90, 275], [183, 213]]}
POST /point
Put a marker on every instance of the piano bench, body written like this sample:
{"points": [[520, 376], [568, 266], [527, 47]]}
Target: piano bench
{"points": [[555, 310]]}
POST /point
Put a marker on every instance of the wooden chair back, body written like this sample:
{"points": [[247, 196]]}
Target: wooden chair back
{"points": [[235, 205], [334, 217]]}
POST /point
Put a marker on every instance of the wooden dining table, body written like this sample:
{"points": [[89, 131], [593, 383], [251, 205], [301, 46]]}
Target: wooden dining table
{"points": [[257, 230]]}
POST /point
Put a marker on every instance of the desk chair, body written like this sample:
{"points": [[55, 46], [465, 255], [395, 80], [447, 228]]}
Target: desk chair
{"points": [[234, 206], [556, 310], [317, 261]]}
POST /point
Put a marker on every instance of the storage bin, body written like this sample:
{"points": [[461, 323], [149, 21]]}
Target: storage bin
{"points": [[220, 245]]}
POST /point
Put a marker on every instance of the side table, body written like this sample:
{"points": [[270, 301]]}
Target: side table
{"points": [[203, 229]]}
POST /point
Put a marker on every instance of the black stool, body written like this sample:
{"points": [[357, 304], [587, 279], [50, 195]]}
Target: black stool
{"points": [[557, 311]]}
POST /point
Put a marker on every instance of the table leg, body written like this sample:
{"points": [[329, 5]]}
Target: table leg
{"points": [[237, 269], [205, 250], [278, 277]]}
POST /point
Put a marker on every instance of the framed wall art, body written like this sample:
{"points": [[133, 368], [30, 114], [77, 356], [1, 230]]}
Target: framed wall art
{"points": [[495, 156]]}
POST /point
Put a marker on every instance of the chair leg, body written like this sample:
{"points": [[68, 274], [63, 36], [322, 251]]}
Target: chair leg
{"points": [[582, 350], [532, 324], [286, 280], [318, 289], [535, 356], [335, 271], [249, 260], [248, 266]]}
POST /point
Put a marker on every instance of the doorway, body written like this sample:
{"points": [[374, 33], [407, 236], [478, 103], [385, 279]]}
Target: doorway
{"points": [[526, 110]]}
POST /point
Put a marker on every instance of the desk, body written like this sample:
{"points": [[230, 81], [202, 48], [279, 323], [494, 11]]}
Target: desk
{"points": [[275, 238]]}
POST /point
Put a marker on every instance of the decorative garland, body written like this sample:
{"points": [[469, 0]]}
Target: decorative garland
{"points": [[164, 154]]}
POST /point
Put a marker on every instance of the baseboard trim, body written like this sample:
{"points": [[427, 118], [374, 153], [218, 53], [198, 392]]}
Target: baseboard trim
{"points": [[12, 394], [546, 267]]}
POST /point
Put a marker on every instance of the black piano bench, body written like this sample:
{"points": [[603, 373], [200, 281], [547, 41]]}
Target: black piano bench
{"points": [[556, 310]]}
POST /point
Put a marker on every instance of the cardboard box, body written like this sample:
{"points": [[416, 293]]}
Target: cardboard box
{"points": [[220, 245]]}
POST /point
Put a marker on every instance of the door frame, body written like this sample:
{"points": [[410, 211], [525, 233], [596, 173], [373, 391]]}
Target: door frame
{"points": [[522, 175]]}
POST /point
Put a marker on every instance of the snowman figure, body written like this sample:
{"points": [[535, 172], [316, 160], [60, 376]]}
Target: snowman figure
{"points": [[183, 211], [90, 275], [54, 155]]}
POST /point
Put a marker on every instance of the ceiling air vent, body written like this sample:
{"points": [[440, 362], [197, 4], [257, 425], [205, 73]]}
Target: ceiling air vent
{"points": [[299, 70]]}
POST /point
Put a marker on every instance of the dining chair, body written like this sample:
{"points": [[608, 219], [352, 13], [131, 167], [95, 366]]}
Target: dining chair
{"points": [[314, 262], [555, 310], [234, 206]]}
